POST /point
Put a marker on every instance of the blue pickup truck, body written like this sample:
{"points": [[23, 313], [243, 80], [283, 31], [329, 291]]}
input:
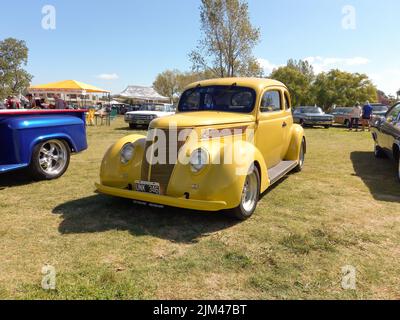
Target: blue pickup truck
{"points": [[40, 140]]}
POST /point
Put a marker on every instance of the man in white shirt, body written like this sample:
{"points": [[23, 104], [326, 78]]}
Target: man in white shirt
{"points": [[60, 103], [356, 113]]}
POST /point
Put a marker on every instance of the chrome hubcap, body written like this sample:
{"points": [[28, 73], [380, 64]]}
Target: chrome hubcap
{"points": [[249, 196], [52, 157]]}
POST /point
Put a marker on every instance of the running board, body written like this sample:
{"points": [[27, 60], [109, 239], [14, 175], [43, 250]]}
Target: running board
{"points": [[280, 170]]}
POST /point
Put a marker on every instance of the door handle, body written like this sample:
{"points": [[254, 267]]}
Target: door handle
{"points": [[284, 125]]}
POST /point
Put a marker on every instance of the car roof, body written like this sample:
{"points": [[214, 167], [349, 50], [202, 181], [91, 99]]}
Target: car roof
{"points": [[254, 83]]}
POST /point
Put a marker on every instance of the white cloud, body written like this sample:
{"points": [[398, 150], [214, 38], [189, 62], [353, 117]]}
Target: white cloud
{"points": [[387, 80], [322, 64], [108, 76], [267, 65]]}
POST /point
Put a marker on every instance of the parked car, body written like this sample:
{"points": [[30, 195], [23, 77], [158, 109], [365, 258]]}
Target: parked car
{"points": [[386, 134], [379, 109], [342, 116], [40, 140], [146, 114], [194, 167], [312, 116]]}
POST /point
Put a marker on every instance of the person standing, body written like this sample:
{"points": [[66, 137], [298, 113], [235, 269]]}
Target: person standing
{"points": [[367, 115], [60, 103], [356, 114], [31, 102]]}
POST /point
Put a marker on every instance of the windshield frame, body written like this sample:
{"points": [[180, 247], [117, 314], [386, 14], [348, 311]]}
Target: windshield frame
{"points": [[202, 107]]}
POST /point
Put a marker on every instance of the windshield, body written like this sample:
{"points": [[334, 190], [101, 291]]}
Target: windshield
{"points": [[310, 110], [218, 98], [159, 108]]}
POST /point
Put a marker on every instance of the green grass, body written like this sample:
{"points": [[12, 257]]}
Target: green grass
{"points": [[343, 209]]}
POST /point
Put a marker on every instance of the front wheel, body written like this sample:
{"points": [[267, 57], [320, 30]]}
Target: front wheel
{"points": [[302, 156], [250, 196], [50, 160], [132, 126], [398, 167], [378, 152]]}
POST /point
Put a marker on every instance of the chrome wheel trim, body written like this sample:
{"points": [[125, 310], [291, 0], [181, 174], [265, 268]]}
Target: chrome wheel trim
{"points": [[250, 193], [301, 156], [52, 157]]}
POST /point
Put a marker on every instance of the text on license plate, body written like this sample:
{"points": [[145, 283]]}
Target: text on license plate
{"points": [[148, 187]]}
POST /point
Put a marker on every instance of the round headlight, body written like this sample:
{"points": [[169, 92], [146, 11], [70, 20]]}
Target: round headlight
{"points": [[127, 153], [199, 159]]}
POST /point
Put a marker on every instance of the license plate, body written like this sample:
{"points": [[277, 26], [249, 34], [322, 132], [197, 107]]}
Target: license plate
{"points": [[139, 121], [147, 187]]}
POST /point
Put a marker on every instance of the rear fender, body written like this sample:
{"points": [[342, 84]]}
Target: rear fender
{"points": [[297, 136]]}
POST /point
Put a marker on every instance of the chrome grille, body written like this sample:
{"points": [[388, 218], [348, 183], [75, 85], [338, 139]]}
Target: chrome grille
{"points": [[162, 173]]}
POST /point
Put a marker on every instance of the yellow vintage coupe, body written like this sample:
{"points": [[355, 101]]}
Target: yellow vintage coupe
{"points": [[230, 140]]}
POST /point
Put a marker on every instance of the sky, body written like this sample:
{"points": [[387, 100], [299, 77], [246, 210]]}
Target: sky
{"points": [[112, 44]]}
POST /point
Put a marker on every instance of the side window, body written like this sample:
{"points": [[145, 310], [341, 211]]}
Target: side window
{"points": [[271, 101], [395, 113], [287, 101]]}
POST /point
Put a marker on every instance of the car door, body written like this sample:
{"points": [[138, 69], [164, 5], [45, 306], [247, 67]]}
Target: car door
{"points": [[390, 128], [271, 126]]}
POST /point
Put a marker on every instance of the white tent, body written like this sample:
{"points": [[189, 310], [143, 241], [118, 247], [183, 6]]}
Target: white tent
{"points": [[147, 94]]}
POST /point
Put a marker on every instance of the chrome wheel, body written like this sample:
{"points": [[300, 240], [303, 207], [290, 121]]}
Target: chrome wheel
{"points": [[250, 193], [53, 157]]}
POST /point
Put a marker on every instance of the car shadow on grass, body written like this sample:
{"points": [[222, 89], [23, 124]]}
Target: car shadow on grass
{"points": [[101, 213], [378, 174], [15, 179]]}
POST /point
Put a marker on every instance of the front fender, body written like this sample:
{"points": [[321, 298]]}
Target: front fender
{"points": [[115, 174], [220, 180], [296, 138]]}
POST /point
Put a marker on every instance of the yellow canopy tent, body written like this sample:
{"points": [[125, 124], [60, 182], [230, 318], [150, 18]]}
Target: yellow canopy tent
{"points": [[68, 87]]}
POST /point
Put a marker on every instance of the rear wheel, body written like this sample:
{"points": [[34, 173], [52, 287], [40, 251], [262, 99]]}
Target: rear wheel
{"points": [[250, 196], [302, 156], [50, 160]]}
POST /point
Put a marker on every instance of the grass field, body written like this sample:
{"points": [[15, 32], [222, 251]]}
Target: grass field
{"points": [[344, 209]]}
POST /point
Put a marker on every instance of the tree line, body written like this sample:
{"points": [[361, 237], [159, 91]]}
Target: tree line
{"points": [[225, 50]]}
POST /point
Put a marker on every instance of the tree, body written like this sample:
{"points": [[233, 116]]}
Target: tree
{"points": [[228, 40], [343, 89], [167, 84], [14, 79], [298, 76]]}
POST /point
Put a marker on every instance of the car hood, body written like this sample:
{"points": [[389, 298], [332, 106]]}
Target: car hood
{"points": [[150, 113], [316, 115], [202, 119]]}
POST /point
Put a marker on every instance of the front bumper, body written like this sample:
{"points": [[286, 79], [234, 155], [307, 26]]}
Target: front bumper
{"points": [[163, 200], [138, 121]]}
